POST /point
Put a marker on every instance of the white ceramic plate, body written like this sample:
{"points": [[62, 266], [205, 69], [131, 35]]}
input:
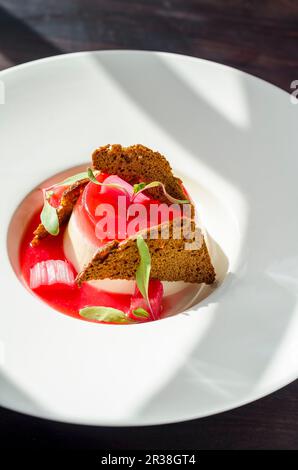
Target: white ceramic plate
{"points": [[233, 139]]}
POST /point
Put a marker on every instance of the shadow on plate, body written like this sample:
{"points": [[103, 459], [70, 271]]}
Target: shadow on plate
{"points": [[259, 145]]}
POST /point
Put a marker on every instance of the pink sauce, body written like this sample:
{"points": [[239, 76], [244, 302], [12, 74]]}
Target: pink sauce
{"points": [[64, 298]]}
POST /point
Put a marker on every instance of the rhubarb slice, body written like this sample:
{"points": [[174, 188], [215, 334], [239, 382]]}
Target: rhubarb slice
{"points": [[51, 272]]}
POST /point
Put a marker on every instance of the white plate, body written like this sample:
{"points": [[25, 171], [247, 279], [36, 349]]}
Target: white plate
{"points": [[233, 138]]}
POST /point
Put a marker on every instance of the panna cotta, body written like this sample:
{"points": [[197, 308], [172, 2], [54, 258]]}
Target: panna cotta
{"points": [[81, 239]]}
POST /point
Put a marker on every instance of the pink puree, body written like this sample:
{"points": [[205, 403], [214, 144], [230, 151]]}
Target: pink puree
{"points": [[64, 298]]}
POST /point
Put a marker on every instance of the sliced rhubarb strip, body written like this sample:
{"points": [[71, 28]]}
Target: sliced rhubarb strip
{"points": [[51, 272]]}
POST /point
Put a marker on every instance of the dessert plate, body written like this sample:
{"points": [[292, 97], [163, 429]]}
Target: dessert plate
{"points": [[232, 139]]}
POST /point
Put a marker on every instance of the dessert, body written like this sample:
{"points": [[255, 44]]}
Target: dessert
{"points": [[115, 241]]}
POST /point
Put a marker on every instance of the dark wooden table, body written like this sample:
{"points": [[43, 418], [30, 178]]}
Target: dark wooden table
{"points": [[260, 37]]}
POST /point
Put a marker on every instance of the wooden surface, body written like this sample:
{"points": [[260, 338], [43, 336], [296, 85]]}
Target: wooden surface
{"points": [[260, 37]]}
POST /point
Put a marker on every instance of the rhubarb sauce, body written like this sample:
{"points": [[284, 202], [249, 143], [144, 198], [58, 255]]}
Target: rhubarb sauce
{"points": [[53, 281], [64, 298]]}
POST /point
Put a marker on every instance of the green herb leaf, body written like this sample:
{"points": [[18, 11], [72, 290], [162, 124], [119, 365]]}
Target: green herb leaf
{"points": [[49, 194], [144, 268], [104, 314], [141, 313], [49, 218], [143, 187], [92, 178], [72, 179], [137, 187]]}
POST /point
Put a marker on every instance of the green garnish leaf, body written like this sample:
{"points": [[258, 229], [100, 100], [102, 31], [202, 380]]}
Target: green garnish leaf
{"points": [[137, 187], [49, 194], [73, 179], [140, 187], [144, 268], [92, 178], [49, 218], [141, 313], [104, 314]]}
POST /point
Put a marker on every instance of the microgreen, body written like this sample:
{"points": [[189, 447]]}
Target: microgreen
{"points": [[92, 178], [140, 187], [49, 218], [137, 187], [144, 268], [141, 313], [104, 314], [73, 179], [49, 194], [111, 315]]}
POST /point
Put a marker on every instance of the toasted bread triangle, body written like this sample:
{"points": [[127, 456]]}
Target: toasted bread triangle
{"points": [[181, 256], [137, 164]]}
